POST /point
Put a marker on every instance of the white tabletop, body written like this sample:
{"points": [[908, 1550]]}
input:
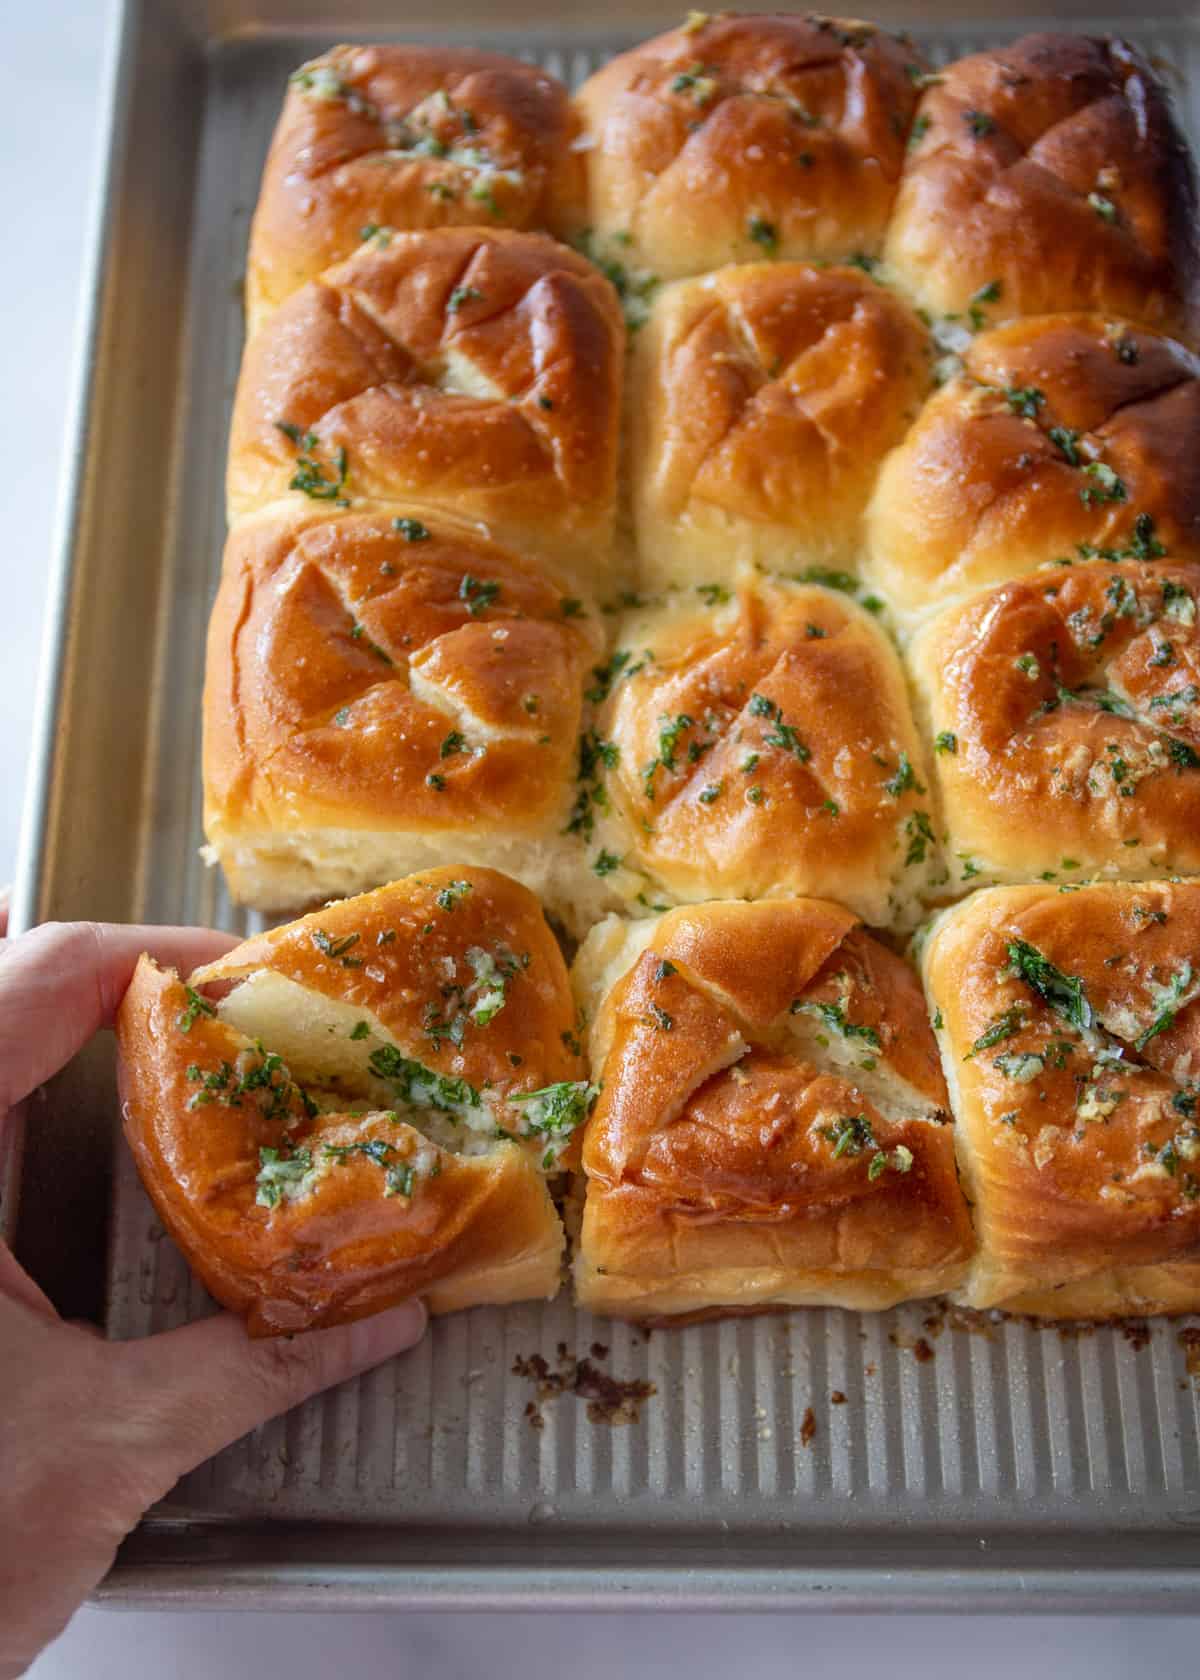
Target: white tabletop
{"points": [[50, 106]]}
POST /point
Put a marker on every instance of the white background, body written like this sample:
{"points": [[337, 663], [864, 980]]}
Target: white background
{"points": [[52, 51]]}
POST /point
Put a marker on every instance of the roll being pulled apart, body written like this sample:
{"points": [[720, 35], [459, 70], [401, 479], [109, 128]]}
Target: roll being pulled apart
{"points": [[1070, 1039], [471, 370], [772, 1127], [741, 137], [374, 141], [386, 692], [363, 1105]]}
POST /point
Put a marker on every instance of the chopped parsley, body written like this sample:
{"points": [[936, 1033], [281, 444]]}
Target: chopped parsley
{"points": [[336, 949], [461, 295], [904, 779], [781, 735], [834, 1015], [850, 1136], [1005, 1026], [1063, 992], [605, 862], [477, 594], [946, 741], [452, 895], [763, 233], [280, 1176], [412, 530], [196, 1006]]}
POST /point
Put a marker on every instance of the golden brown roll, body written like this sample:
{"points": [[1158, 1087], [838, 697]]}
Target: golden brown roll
{"points": [[384, 693], [1071, 1047], [1060, 437], [764, 399], [735, 138], [467, 369], [772, 1126], [1065, 710], [371, 1109], [753, 743], [1049, 174], [379, 140]]}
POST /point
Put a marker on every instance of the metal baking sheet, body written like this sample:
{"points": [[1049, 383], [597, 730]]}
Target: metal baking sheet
{"points": [[982, 1464]]}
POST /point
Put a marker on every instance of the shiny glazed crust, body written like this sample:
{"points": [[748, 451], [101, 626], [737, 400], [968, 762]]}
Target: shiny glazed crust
{"points": [[374, 676], [1061, 435], [401, 138], [359, 986], [1067, 716], [719, 1169], [1052, 174], [471, 370], [736, 137], [764, 399], [760, 743], [1075, 1092]]}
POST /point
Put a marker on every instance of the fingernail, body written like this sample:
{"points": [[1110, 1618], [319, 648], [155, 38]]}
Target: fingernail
{"points": [[374, 1339]]}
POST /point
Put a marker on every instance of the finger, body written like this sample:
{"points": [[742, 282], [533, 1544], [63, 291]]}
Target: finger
{"points": [[17, 1285], [5, 901], [64, 980], [204, 1386]]}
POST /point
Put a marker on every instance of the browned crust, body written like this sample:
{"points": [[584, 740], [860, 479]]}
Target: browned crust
{"points": [[764, 400], [707, 1156], [1065, 1168], [1052, 169], [1073, 705], [746, 808], [339, 652], [483, 1229], [402, 138], [368, 359], [716, 141], [1060, 432]]}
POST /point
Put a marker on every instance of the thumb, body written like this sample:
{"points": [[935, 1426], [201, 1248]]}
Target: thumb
{"points": [[189, 1392]]}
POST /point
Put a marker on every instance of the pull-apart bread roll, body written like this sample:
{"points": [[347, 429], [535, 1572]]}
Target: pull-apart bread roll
{"points": [[738, 137], [1045, 174], [1065, 710], [764, 400], [1063, 437], [1071, 1043], [753, 743], [772, 1127], [385, 693], [471, 370], [382, 140], [370, 1110]]}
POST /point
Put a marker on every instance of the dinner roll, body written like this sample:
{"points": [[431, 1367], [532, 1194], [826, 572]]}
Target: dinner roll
{"points": [[1065, 710], [1060, 437], [377, 140], [742, 137], [1050, 174], [1071, 1047], [385, 693], [772, 1126], [764, 399], [473, 370], [757, 743], [369, 1111]]}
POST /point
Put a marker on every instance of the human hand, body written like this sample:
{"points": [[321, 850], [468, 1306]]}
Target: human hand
{"points": [[94, 1432]]}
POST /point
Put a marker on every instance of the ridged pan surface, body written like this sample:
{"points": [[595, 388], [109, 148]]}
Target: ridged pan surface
{"points": [[818, 1420]]}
